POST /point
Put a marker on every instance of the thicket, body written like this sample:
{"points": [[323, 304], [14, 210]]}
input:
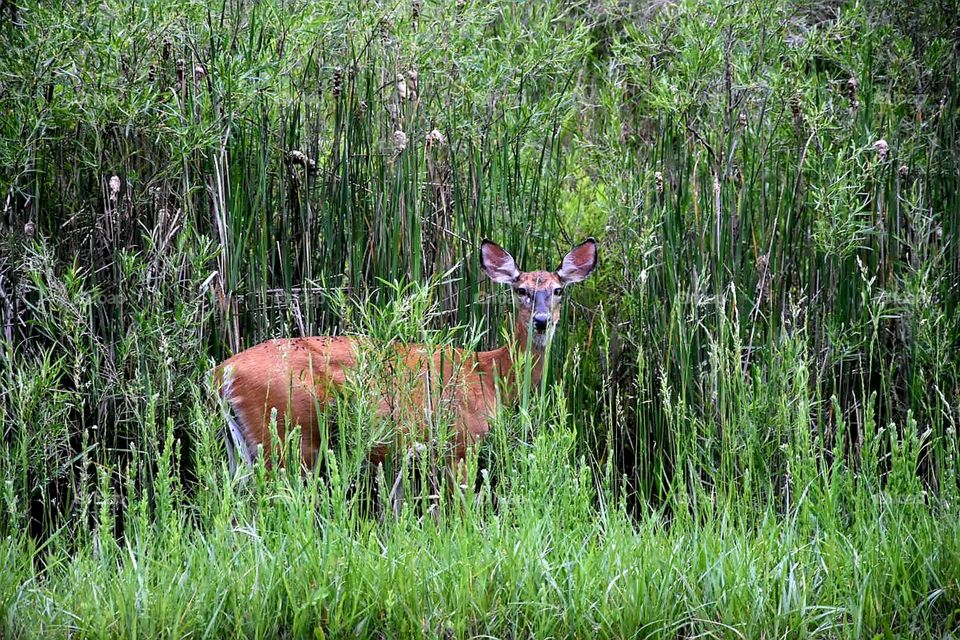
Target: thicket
{"points": [[749, 422]]}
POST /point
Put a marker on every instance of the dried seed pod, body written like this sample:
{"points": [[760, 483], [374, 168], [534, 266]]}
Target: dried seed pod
{"points": [[852, 86], [114, 188], [385, 28], [882, 149], [337, 82], [413, 83], [658, 181], [435, 139], [851, 92], [415, 7], [399, 140], [305, 161], [799, 120]]}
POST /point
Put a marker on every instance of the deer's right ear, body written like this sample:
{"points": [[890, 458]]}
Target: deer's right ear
{"points": [[498, 264]]}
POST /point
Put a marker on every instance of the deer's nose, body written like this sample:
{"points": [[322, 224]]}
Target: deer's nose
{"points": [[540, 321]]}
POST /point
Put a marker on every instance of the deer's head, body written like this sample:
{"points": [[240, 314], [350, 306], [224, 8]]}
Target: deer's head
{"points": [[539, 293]]}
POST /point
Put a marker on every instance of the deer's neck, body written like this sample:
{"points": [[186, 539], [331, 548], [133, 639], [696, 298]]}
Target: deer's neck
{"points": [[507, 366]]}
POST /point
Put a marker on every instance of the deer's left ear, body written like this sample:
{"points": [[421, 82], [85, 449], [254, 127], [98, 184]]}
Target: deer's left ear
{"points": [[579, 263]]}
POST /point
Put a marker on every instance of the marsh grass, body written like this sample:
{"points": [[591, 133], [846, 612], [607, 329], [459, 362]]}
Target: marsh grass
{"points": [[748, 427]]}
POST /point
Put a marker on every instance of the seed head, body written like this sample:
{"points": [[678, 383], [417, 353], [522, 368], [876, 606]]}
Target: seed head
{"points": [[305, 161], [399, 140], [114, 188], [413, 82], [337, 82], [882, 148], [796, 108], [435, 138], [852, 86], [199, 73], [401, 86], [29, 229], [415, 7], [385, 27], [904, 171], [658, 180]]}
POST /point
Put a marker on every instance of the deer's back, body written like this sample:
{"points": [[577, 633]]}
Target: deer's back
{"points": [[412, 388]]}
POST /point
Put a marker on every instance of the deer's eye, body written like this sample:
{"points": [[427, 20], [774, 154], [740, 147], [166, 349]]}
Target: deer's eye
{"points": [[523, 293], [558, 292]]}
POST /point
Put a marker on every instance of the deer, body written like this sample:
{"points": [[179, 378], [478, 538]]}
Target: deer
{"points": [[287, 382]]}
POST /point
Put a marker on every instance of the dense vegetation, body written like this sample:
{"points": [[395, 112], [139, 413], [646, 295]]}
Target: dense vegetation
{"points": [[749, 424]]}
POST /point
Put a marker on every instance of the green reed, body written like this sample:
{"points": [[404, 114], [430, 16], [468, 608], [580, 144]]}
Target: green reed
{"points": [[748, 426]]}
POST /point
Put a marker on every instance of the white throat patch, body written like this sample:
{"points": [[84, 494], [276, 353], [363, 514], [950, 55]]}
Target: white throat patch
{"points": [[540, 340]]}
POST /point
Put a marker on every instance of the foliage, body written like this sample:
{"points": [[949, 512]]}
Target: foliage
{"points": [[749, 423]]}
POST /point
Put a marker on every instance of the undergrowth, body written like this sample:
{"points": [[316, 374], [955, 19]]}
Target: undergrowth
{"points": [[748, 424]]}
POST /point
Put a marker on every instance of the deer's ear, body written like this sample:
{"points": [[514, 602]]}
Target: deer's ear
{"points": [[498, 264], [578, 264]]}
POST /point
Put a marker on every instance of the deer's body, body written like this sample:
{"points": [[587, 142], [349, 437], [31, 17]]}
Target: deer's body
{"points": [[296, 379]]}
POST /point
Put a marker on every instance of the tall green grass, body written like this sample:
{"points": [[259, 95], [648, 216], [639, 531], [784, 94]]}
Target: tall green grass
{"points": [[748, 426]]}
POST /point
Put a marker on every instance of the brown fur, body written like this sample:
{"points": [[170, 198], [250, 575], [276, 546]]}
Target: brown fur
{"points": [[298, 377]]}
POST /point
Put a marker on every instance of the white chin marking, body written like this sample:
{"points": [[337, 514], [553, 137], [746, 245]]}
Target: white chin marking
{"points": [[540, 340]]}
